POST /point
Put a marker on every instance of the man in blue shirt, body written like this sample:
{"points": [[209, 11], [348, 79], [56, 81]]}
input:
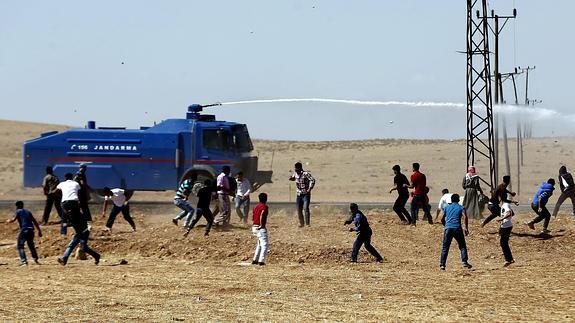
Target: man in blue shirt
{"points": [[539, 205], [451, 220], [363, 233], [27, 223]]}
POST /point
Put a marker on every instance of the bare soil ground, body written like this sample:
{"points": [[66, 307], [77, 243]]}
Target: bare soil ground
{"points": [[307, 278]]}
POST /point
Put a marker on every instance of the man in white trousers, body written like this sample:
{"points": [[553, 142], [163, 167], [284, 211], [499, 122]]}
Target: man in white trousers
{"points": [[260, 218]]}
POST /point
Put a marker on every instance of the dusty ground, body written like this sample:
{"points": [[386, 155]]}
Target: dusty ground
{"points": [[307, 277]]}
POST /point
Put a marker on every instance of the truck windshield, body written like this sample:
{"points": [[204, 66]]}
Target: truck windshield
{"points": [[221, 139], [241, 139]]}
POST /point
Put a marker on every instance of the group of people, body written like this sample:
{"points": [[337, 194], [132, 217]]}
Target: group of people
{"points": [[70, 199]]}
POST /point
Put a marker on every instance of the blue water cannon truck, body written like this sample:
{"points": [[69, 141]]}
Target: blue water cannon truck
{"points": [[154, 158]]}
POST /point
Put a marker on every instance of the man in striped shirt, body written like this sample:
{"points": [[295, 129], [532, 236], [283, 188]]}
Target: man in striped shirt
{"points": [[304, 184], [181, 199]]}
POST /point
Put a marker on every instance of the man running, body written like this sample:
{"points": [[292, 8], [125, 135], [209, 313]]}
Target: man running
{"points": [[203, 207], [181, 199], [400, 184], [539, 203], [120, 203], [567, 190], [27, 222], [500, 195]]}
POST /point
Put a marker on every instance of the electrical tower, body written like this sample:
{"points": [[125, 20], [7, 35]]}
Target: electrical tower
{"points": [[480, 139]]}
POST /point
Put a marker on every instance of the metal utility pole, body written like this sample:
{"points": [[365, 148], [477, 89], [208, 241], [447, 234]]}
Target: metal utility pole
{"points": [[480, 139], [499, 92]]}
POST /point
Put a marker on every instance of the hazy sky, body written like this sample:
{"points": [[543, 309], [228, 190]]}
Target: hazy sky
{"points": [[130, 63]]}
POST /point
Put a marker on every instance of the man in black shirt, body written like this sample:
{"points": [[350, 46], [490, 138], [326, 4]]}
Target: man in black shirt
{"points": [[499, 195], [567, 190], [400, 184], [203, 207]]}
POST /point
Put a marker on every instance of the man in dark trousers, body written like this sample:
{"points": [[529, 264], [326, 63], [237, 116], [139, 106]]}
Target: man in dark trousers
{"points": [[84, 193], [53, 198], [81, 236], [27, 222], [567, 190], [539, 203], [120, 200], [500, 195], [203, 207], [453, 228], [400, 184], [419, 195], [363, 231]]}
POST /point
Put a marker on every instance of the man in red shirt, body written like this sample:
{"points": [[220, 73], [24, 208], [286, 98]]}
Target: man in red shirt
{"points": [[419, 195], [260, 216]]}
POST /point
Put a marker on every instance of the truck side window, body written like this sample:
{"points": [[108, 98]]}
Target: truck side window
{"points": [[216, 139]]}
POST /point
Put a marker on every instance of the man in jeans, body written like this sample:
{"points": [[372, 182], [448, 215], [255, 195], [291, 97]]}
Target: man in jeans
{"points": [[363, 231], [304, 184], [419, 195], [181, 199], [49, 185], [451, 221], [243, 190], [120, 200], [27, 222], [70, 201]]}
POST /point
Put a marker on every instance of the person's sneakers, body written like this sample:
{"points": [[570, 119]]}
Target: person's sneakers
{"points": [[96, 259], [133, 229], [507, 263], [531, 225], [23, 264], [186, 233], [108, 230], [261, 263], [353, 261], [380, 260], [442, 268], [36, 261], [545, 231], [254, 262], [62, 261], [467, 265], [175, 221], [207, 234]]}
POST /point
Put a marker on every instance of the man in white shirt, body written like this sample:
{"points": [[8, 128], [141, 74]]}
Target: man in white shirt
{"points": [[119, 199], [70, 201], [443, 202], [244, 188]]}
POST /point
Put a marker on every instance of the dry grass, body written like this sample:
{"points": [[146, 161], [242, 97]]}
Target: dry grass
{"points": [[307, 277]]}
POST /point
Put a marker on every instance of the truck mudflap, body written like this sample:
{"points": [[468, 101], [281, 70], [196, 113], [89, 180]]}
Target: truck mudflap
{"points": [[249, 166]]}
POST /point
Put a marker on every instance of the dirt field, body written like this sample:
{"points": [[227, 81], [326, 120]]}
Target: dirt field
{"points": [[307, 278]]}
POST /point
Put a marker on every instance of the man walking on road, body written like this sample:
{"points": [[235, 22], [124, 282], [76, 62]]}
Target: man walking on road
{"points": [[304, 184]]}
